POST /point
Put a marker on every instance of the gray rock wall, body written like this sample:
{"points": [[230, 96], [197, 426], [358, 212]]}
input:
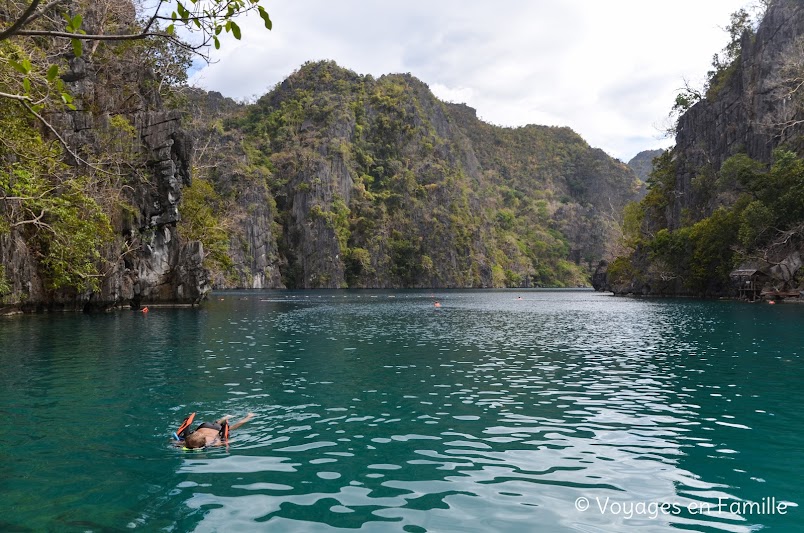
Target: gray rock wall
{"points": [[147, 263], [748, 113]]}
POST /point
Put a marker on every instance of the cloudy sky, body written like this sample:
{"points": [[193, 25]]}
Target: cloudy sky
{"points": [[607, 69]]}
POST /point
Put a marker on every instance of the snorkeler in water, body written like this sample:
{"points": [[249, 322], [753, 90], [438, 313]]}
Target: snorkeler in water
{"points": [[207, 433]]}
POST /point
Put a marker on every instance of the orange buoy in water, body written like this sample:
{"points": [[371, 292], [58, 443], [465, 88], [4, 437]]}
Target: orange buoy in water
{"points": [[771, 302], [145, 309]]}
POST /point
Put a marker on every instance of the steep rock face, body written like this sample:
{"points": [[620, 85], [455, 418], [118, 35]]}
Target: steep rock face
{"points": [[146, 262], [163, 268], [318, 164], [584, 189], [695, 236], [247, 203], [749, 113], [378, 184]]}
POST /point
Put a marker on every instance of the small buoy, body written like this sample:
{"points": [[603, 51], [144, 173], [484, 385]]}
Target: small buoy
{"points": [[771, 302], [145, 309]]}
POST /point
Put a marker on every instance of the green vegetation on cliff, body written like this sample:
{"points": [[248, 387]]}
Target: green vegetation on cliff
{"points": [[377, 183], [331, 180], [50, 207], [730, 195], [91, 165], [760, 217]]}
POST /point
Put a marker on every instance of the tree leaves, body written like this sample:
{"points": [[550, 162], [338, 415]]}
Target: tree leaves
{"points": [[23, 67], [184, 15], [74, 26], [52, 72], [63, 223], [265, 18], [235, 29]]}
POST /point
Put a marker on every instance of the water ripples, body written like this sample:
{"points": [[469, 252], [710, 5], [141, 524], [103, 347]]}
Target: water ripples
{"points": [[475, 414], [488, 413]]}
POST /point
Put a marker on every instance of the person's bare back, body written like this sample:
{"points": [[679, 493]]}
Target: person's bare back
{"points": [[208, 433]]}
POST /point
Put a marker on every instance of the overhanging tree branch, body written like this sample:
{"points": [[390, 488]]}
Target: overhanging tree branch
{"points": [[37, 84], [86, 37]]}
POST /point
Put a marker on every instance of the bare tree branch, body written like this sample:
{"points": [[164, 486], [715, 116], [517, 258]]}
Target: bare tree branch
{"points": [[20, 22], [45, 9]]}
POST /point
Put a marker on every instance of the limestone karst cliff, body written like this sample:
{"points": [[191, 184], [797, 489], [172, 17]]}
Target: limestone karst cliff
{"points": [[143, 191], [724, 207], [376, 183], [93, 225]]}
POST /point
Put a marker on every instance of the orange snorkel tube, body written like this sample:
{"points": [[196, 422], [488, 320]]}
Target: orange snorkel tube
{"points": [[179, 434]]}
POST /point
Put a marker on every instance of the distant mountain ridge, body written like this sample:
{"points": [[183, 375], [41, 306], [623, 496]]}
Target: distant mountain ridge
{"points": [[642, 163]]}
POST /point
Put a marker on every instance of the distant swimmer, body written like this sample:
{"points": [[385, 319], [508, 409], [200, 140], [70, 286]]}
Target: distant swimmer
{"points": [[518, 297], [208, 433], [437, 304]]}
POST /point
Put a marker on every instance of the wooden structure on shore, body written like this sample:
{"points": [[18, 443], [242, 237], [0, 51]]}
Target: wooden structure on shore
{"points": [[749, 281]]}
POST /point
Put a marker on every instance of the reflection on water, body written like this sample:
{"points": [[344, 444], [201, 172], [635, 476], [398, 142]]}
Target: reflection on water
{"points": [[380, 411]]}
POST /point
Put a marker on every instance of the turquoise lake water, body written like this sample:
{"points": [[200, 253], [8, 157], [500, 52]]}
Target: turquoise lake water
{"points": [[562, 411]]}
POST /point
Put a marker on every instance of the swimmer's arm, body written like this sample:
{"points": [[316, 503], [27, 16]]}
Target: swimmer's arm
{"points": [[241, 422]]}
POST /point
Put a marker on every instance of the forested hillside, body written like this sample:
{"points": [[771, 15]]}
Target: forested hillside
{"points": [[92, 162], [120, 185], [725, 207], [376, 183]]}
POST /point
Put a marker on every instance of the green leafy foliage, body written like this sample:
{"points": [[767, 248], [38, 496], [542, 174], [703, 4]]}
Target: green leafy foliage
{"points": [[725, 63], [63, 223], [756, 221], [32, 40], [78, 229], [201, 221], [62, 214], [26, 72], [214, 17], [622, 271], [5, 286], [703, 251], [74, 26]]}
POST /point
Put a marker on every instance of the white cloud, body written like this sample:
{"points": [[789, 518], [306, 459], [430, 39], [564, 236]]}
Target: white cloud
{"points": [[609, 70]]}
